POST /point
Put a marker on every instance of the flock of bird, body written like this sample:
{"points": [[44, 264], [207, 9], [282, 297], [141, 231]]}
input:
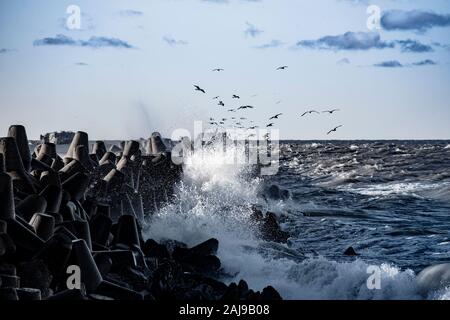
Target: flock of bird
{"points": [[238, 120]]}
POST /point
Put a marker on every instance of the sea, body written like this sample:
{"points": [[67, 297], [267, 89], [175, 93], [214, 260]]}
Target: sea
{"points": [[389, 200]]}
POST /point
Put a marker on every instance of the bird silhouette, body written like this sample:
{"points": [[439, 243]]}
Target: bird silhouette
{"points": [[231, 110], [309, 112], [245, 107], [266, 136], [330, 111], [253, 127], [236, 96], [218, 69], [243, 118], [275, 116], [282, 67], [334, 130], [216, 97], [221, 103], [270, 125], [197, 88]]}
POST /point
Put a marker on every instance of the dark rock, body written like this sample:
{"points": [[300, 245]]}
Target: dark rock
{"points": [[270, 294], [271, 230], [31, 205], [127, 231], [19, 133], [35, 274], [44, 225], [209, 247], [8, 294], [117, 292], [69, 295], [153, 249], [350, 252], [100, 227], [53, 196], [29, 294], [232, 293]]}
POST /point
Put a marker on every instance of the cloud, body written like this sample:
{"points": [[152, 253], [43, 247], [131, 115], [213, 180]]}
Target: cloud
{"points": [[174, 42], [272, 44], [413, 46], [93, 42], [362, 41], [347, 41], [397, 64], [426, 62], [389, 64], [131, 13], [216, 1], [413, 20], [252, 31], [343, 61], [5, 50]]}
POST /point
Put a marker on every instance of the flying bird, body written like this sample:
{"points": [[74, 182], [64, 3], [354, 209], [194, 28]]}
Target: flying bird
{"points": [[245, 107], [309, 112], [253, 127], [330, 111], [270, 125], [236, 96], [197, 88], [275, 116], [282, 67], [221, 103], [231, 110], [216, 97], [218, 69], [334, 130]]}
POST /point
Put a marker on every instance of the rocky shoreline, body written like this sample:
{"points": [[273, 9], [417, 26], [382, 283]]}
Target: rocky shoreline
{"points": [[83, 215]]}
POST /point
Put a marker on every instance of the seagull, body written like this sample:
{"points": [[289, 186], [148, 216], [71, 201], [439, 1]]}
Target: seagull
{"points": [[224, 119], [218, 69], [278, 102], [245, 107], [221, 122], [197, 88], [221, 103], [266, 136], [334, 130], [236, 96], [310, 111], [231, 110], [242, 118], [330, 111], [282, 67], [270, 125], [275, 116], [252, 128], [215, 98]]}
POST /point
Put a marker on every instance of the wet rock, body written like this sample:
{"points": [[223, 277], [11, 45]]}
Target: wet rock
{"points": [[8, 294], [155, 250], [271, 231], [270, 294], [35, 274], [350, 252], [209, 247], [29, 294]]}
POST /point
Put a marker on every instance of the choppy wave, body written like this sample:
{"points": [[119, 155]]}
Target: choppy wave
{"points": [[215, 197]]}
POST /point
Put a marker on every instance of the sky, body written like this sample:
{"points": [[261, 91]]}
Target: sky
{"points": [[131, 67]]}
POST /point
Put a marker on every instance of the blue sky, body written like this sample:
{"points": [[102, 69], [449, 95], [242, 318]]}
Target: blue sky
{"points": [[131, 68]]}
